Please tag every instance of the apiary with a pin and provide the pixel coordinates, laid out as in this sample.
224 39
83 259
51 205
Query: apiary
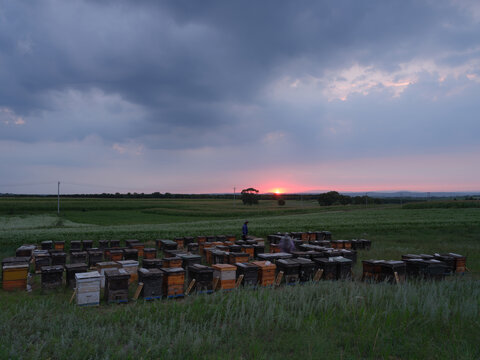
258 249
130 254
47 245
114 243
78 257
238 257
25 250
180 242
42 259
329 267
152 280
88 288
58 258
203 276
152 263
14 276
249 272
226 273
306 270
59 245
173 282
71 270
94 257
103 244
116 255
129 243
149 253
231 238
106 265
75 245
389 268
372 269
87 244
52 276
190 259
266 272
172 262
290 268
116 285
248 249
275 248
193 248
131 267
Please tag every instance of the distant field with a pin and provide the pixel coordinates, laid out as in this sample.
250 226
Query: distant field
347 320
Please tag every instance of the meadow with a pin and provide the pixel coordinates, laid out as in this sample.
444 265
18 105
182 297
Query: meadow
345 319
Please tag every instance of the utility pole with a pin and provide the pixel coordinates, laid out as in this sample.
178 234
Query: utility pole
58 199
234 196
366 199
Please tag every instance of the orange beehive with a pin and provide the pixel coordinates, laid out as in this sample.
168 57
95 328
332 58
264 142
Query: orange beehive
275 248
139 247
305 237
225 274
266 274
234 257
15 277
201 239
150 253
347 244
180 242
312 236
172 262
173 282
59 245
231 238
249 249
116 255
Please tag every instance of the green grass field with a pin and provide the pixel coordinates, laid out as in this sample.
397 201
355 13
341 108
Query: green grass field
347 320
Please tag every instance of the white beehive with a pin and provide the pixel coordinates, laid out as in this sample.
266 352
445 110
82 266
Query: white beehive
88 288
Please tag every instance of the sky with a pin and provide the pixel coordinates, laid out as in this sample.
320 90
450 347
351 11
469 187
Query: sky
208 96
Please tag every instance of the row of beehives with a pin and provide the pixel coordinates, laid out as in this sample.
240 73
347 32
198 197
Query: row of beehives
414 266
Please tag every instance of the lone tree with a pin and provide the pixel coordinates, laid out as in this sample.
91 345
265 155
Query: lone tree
250 196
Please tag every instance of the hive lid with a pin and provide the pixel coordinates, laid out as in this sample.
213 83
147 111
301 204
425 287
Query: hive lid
175 258
199 267
107 264
88 275
127 263
52 268
150 272
76 266
176 270
116 272
288 262
15 266
246 265
224 267
393 262
265 264
15 260
372 261
303 261
27 247
189 256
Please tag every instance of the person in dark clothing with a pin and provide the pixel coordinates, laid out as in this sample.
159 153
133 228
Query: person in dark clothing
286 244
245 230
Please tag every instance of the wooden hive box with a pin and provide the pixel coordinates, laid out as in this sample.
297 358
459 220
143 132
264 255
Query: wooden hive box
327 235
58 257
116 285
17 260
372 269
152 263
238 257
344 267
305 237
312 236
129 243
106 265
249 249
114 243
103 244
116 255
14 276
139 246
209 255
131 267
347 244
188 240
75 245
266 273
367 244
231 238
173 282
130 254
290 268
460 262
235 248
226 273
168 245
152 280
349 254
149 253
193 248
189 259
390 267
25 250
436 270
414 267
219 257
329 267
180 242
172 253
41 259
336 244
172 262
52 276
59 245
88 288
203 276
87 244
78 257
275 248
319 235
47 245
258 249
94 257
306 271
249 272
71 270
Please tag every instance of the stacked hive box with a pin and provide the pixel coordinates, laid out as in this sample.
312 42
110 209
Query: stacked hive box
166 244
88 288
25 250
249 272
87 244
238 257
130 254
173 282
47 245
152 263
187 240
344 267
52 276
139 246
71 270
116 285
290 269
172 262
131 267
219 257
258 249
59 245
94 256
329 267
180 242
75 245
78 257
106 265
203 276
58 258
130 242
41 258
275 248
14 276
226 275
372 269
306 270
249 249
190 259
389 268
152 280
149 253
115 255
266 273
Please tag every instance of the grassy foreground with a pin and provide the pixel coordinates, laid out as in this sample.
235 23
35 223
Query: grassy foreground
348 320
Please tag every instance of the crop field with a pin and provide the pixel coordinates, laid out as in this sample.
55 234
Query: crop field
328 319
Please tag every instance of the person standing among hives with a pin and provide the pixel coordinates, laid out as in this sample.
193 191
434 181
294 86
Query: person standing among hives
245 230
286 244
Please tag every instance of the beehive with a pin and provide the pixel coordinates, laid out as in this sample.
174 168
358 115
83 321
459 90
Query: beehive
87 244
327 235
173 282
52 276
149 253
193 248
138 246
59 245
238 257
249 272
116 255
460 262
235 248
312 236
201 239
103 244
305 237
152 263
349 254
260 241
172 253
266 273
290 268
329 267
180 242
187 240
75 245
306 270
248 249
258 249
129 243
116 285
131 267
275 248
14 276
436 270
219 257
320 235
47 245
231 238
168 245
209 255
221 238
71 270
152 280
114 243
372 269
414 267
78 257
203 276
130 254
88 288
42 259
390 267
94 257
211 238
58 258
190 259
337 244
25 250
226 273
172 262
106 265
274 239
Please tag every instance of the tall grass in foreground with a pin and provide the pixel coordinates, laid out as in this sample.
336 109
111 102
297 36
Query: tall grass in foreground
350 320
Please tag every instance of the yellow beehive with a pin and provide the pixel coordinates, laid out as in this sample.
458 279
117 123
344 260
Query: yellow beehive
15 277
